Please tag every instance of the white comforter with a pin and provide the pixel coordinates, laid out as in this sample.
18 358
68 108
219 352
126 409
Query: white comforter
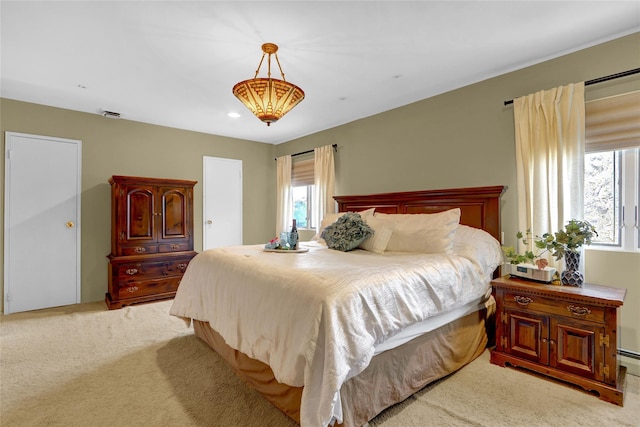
315 317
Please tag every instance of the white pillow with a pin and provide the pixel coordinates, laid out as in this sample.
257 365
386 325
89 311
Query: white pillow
378 242
478 246
425 233
330 218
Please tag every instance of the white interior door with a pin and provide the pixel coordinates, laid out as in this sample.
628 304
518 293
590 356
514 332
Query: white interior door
42 222
222 192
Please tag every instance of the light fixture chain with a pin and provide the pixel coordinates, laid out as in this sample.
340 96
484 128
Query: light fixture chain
260 65
281 73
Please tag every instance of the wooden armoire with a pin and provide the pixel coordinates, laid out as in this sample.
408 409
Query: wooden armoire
151 238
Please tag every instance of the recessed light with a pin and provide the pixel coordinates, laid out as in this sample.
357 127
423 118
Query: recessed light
234 115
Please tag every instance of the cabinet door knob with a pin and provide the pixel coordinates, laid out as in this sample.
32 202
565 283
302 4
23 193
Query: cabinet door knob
209 222
131 271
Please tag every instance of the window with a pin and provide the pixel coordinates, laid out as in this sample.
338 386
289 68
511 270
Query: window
612 171
302 204
611 197
302 186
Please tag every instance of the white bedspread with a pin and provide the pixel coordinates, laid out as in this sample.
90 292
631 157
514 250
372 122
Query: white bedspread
315 317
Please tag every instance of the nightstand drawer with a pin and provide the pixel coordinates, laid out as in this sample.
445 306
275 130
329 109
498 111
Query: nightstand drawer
574 310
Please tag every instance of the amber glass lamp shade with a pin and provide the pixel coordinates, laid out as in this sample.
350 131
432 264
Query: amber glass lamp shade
267 98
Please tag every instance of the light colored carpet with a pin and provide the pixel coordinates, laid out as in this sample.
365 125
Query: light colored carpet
86 366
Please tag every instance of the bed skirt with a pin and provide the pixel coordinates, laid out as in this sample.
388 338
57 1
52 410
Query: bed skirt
391 377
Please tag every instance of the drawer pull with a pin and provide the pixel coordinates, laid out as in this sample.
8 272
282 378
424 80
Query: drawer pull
182 266
132 289
522 300
140 250
175 247
578 311
131 271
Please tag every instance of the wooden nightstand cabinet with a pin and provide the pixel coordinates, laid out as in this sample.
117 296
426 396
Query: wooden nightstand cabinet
564 332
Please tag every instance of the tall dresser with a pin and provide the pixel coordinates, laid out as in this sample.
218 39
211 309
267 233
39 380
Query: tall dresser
151 238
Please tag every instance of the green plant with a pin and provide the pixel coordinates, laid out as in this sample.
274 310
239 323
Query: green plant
575 234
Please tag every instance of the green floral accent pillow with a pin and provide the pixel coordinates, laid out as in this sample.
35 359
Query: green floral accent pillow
347 232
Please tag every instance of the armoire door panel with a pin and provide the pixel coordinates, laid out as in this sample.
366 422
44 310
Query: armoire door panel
174 214
140 214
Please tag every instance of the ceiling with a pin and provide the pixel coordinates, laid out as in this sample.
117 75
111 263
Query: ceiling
173 63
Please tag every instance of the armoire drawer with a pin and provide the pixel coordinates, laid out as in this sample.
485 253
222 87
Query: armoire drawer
148 287
149 270
139 250
173 247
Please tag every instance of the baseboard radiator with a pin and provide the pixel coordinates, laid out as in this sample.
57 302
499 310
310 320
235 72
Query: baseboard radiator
629 353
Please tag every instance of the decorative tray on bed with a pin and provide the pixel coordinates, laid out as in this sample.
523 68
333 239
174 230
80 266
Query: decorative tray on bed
290 251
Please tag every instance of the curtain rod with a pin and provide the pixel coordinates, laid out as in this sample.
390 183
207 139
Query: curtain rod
600 79
335 148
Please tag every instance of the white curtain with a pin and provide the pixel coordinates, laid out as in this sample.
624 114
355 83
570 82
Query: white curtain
549 130
284 198
324 182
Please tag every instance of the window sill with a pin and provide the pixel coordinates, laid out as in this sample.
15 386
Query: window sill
613 249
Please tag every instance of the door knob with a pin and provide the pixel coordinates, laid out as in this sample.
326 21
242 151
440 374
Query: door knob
209 222
70 224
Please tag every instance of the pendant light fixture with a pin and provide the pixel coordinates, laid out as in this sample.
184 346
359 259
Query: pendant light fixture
269 99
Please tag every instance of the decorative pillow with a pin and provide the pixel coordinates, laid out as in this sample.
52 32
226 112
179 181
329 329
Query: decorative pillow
347 233
330 218
378 241
426 233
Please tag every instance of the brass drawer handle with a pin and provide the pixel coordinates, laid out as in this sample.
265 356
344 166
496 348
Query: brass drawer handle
578 311
182 266
140 250
131 271
522 300
175 247
132 289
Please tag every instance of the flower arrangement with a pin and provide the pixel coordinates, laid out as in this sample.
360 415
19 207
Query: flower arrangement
275 243
575 234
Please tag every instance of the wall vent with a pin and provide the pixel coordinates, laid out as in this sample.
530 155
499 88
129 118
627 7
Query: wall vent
110 114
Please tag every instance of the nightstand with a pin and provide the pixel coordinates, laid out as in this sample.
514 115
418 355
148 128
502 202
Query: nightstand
564 332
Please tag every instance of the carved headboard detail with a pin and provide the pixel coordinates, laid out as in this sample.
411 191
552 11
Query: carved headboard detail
479 206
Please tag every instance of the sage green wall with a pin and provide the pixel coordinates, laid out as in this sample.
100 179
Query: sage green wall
457 139
465 138
123 147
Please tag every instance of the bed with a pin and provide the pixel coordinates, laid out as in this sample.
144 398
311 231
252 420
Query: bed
334 338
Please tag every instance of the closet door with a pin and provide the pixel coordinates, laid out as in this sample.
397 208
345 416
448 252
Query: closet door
42 222
222 204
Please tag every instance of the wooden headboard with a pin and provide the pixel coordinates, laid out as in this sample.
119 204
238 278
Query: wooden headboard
479 206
